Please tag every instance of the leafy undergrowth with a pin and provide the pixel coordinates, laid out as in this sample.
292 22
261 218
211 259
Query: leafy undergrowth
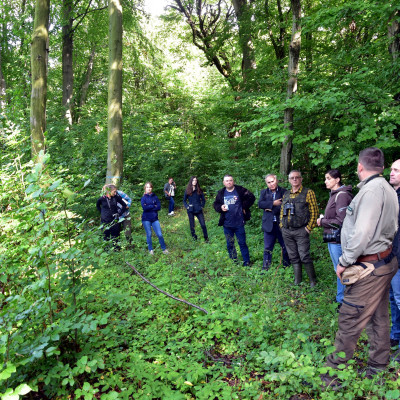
77 322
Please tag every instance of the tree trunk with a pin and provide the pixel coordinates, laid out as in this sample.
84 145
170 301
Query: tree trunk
394 35
2 86
67 54
39 75
243 15
86 81
293 67
115 146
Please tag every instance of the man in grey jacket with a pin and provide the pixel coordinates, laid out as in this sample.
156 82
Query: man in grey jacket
367 234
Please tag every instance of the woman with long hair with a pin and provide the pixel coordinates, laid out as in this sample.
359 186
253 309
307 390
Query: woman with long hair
151 206
340 197
194 202
111 207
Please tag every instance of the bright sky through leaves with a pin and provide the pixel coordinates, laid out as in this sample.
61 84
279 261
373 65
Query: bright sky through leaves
155 7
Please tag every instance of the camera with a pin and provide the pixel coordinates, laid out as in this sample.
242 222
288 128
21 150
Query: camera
288 207
333 236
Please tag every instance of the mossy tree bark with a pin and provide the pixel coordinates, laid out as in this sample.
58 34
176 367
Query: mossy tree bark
115 143
293 68
39 56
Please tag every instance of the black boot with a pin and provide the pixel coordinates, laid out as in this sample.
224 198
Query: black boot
297 274
311 274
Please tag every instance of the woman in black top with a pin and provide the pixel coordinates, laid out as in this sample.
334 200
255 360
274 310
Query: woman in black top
194 202
111 206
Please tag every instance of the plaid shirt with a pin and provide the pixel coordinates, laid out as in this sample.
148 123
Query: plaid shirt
127 200
312 207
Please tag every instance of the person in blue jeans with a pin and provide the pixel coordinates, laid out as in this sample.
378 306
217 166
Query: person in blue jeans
340 197
169 191
394 294
233 202
151 206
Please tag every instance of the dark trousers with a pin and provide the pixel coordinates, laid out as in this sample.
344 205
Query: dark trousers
269 242
365 305
240 233
297 243
200 217
112 233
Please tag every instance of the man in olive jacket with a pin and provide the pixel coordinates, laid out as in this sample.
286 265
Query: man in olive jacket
233 202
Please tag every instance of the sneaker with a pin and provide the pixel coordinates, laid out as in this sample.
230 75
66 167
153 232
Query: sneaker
165 251
172 213
151 252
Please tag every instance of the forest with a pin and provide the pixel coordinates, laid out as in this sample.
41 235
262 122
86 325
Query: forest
102 91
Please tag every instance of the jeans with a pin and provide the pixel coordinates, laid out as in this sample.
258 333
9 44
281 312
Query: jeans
157 230
335 250
171 204
269 243
240 233
200 217
394 297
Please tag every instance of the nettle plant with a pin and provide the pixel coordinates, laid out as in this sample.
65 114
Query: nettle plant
47 254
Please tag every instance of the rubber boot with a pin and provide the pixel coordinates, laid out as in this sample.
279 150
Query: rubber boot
311 274
297 274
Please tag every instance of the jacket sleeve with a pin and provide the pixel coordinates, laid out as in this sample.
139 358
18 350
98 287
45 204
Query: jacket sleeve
145 205
185 199
202 200
219 202
248 199
266 200
122 203
157 204
313 208
98 204
342 200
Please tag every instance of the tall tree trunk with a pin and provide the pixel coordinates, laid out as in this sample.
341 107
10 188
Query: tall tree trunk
243 15
2 87
394 35
86 81
39 75
115 145
67 54
294 54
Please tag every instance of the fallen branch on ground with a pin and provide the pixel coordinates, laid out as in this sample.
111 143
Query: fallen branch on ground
167 294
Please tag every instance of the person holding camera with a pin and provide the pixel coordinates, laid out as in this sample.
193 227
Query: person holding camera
340 197
169 191
299 214
111 207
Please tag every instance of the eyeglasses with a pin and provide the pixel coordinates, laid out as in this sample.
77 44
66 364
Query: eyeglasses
268 183
293 178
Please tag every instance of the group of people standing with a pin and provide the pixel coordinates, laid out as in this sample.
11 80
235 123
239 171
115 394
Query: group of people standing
361 232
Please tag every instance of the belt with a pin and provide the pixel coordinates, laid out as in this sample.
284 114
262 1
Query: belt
375 257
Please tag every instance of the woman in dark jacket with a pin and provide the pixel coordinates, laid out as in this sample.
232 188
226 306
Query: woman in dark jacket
111 207
194 202
151 206
340 197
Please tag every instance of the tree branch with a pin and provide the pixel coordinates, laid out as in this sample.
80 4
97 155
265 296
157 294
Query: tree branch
162 291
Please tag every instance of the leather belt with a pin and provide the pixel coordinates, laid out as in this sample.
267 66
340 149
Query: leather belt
375 257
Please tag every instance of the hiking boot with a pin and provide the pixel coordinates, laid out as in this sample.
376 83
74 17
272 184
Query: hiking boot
309 267
297 274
